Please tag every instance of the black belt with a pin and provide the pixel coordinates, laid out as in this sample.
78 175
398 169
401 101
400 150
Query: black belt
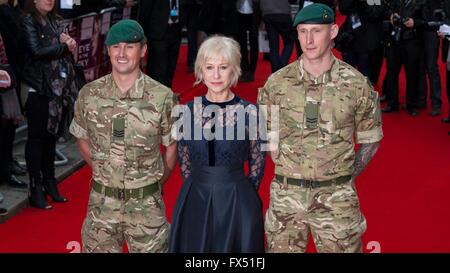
314 184
125 194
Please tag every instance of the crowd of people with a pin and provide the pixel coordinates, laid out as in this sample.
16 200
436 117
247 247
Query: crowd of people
120 120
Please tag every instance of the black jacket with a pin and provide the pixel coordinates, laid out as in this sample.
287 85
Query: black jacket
415 9
369 35
219 16
38 52
153 16
329 3
9 28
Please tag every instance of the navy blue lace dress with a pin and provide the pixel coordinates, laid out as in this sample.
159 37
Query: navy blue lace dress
219 209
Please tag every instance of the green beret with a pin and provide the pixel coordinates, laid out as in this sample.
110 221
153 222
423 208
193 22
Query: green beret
314 14
125 31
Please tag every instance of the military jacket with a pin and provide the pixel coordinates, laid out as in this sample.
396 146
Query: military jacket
125 130
319 118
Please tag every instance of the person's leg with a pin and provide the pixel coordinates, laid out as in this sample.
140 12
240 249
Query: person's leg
157 61
411 56
274 43
10 133
393 68
9 168
244 26
48 169
431 50
364 63
4 170
447 88
286 225
349 57
376 62
192 27
146 229
337 223
48 157
101 231
253 36
288 43
174 41
36 110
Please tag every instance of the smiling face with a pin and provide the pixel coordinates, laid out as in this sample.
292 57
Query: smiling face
125 57
217 74
316 39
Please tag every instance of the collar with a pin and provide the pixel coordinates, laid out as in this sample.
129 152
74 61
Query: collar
324 78
111 90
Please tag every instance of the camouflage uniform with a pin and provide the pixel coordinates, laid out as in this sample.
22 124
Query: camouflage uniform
125 131
318 118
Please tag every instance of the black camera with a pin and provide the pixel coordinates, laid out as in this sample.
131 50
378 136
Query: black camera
397 22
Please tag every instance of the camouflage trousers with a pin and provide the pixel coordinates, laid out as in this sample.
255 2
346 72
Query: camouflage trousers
140 222
331 214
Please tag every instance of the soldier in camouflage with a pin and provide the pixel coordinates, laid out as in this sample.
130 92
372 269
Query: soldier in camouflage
120 121
323 103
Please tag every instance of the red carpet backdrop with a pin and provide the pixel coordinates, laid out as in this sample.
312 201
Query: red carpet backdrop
404 192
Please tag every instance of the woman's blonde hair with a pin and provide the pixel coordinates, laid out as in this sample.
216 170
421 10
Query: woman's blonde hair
219 46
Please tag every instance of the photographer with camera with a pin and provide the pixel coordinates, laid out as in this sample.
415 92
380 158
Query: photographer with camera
361 35
407 23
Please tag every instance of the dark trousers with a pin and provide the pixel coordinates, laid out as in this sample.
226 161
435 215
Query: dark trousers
7 133
447 78
249 57
163 55
431 44
407 54
41 145
192 28
376 62
279 24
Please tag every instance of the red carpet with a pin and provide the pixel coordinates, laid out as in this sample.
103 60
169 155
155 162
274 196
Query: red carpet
404 192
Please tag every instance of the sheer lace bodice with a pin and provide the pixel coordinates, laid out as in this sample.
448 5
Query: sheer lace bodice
229 150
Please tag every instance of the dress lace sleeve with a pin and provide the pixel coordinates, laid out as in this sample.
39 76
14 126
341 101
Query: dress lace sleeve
184 159
256 157
256 163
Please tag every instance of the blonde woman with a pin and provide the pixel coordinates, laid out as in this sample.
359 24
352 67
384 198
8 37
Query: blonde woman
218 209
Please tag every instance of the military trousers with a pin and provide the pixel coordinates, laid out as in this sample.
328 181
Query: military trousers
141 223
330 214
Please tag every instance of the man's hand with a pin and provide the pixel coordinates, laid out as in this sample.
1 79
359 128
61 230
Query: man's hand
5 79
409 23
63 37
69 41
72 44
